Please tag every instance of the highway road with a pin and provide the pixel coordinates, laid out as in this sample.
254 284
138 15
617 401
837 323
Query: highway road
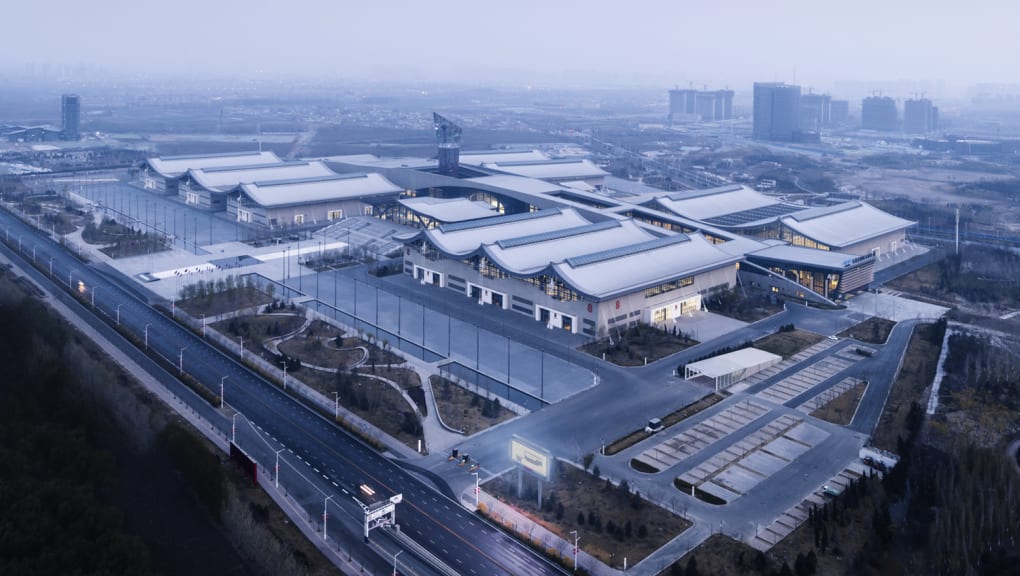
435 520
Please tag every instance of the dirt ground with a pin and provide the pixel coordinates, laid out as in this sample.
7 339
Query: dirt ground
915 376
223 302
787 344
637 345
873 330
604 507
841 409
461 409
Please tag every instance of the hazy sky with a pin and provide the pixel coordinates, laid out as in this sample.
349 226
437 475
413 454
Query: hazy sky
714 42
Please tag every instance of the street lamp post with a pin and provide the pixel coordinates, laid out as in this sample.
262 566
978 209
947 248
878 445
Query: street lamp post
336 405
222 380
118 307
233 428
284 363
276 480
180 360
93 296
577 538
147 335
325 516
395 562
69 275
203 325
51 265
241 338
475 474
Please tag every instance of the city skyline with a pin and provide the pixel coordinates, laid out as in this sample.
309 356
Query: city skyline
566 43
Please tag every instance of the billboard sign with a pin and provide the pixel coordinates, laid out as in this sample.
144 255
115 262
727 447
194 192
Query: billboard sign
531 457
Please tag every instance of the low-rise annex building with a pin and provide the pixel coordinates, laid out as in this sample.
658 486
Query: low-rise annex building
570 273
300 202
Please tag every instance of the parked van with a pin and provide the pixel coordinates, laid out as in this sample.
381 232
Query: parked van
654 425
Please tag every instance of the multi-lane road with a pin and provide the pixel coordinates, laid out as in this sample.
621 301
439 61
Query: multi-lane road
437 522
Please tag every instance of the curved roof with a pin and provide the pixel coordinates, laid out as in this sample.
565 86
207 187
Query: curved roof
223 178
550 169
477 158
318 189
621 271
530 254
449 209
720 202
177 166
462 239
599 260
844 224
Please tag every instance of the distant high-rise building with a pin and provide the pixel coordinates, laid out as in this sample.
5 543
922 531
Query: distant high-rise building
448 137
70 113
839 112
776 111
879 113
706 105
919 116
815 111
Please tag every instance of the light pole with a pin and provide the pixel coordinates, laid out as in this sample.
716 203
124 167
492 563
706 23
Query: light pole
284 363
233 428
222 380
325 516
203 325
475 474
241 338
336 405
69 274
276 480
51 265
180 360
395 562
577 538
147 335
93 296
118 307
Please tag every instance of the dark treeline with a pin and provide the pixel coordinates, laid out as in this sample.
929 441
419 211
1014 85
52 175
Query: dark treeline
52 518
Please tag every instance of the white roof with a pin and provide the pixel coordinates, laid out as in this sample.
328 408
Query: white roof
319 189
518 184
550 169
449 209
623 270
579 185
729 200
743 359
811 256
477 158
375 162
222 179
530 254
466 237
844 224
175 166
